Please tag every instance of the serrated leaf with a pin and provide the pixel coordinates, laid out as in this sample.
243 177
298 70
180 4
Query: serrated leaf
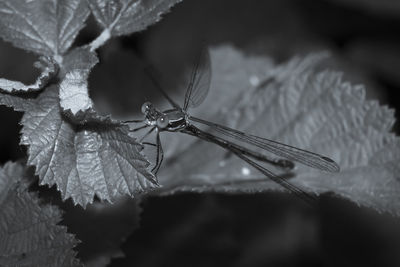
299 106
82 160
123 17
46 27
49 70
18 103
74 93
29 232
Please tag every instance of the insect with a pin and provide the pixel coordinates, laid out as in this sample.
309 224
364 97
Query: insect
177 119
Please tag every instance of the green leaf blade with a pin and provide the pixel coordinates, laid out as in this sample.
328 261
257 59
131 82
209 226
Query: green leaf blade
302 107
43 27
30 232
48 70
74 91
124 17
83 161
16 102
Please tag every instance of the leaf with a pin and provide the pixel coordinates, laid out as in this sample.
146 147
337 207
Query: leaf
18 103
46 27
299 106
122 17
225 88
29 232
83 160
49 70
74 94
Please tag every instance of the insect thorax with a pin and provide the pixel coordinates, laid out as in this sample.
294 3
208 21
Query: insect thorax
177 120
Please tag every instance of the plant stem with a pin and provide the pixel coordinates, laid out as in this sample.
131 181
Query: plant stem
100 40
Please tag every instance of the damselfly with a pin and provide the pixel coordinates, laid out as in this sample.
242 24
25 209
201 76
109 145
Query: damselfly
177 119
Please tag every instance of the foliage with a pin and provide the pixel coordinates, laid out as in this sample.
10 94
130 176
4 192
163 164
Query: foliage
301 106
29 232
85 154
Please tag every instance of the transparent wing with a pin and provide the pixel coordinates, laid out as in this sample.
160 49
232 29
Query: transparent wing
237 150
150 71
199 83
292 153
279 180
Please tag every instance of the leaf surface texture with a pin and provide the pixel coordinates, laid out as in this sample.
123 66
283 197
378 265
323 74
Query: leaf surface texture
29 230
296 104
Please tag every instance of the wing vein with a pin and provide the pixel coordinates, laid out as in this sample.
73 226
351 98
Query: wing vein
292 153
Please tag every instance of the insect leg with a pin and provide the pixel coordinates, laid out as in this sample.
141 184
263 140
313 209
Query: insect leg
155 168
133 121
161 151
138 128
146 134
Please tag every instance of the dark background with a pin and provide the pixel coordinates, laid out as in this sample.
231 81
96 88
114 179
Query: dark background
268 229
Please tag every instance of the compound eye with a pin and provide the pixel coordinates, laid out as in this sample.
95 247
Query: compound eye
162 121
146 107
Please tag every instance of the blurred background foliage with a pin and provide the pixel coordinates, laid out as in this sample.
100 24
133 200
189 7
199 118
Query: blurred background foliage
271 229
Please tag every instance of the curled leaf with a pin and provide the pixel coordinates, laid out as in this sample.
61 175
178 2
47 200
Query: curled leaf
86 160
29 231
46 27
295 104
74 94
18 103
49 70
